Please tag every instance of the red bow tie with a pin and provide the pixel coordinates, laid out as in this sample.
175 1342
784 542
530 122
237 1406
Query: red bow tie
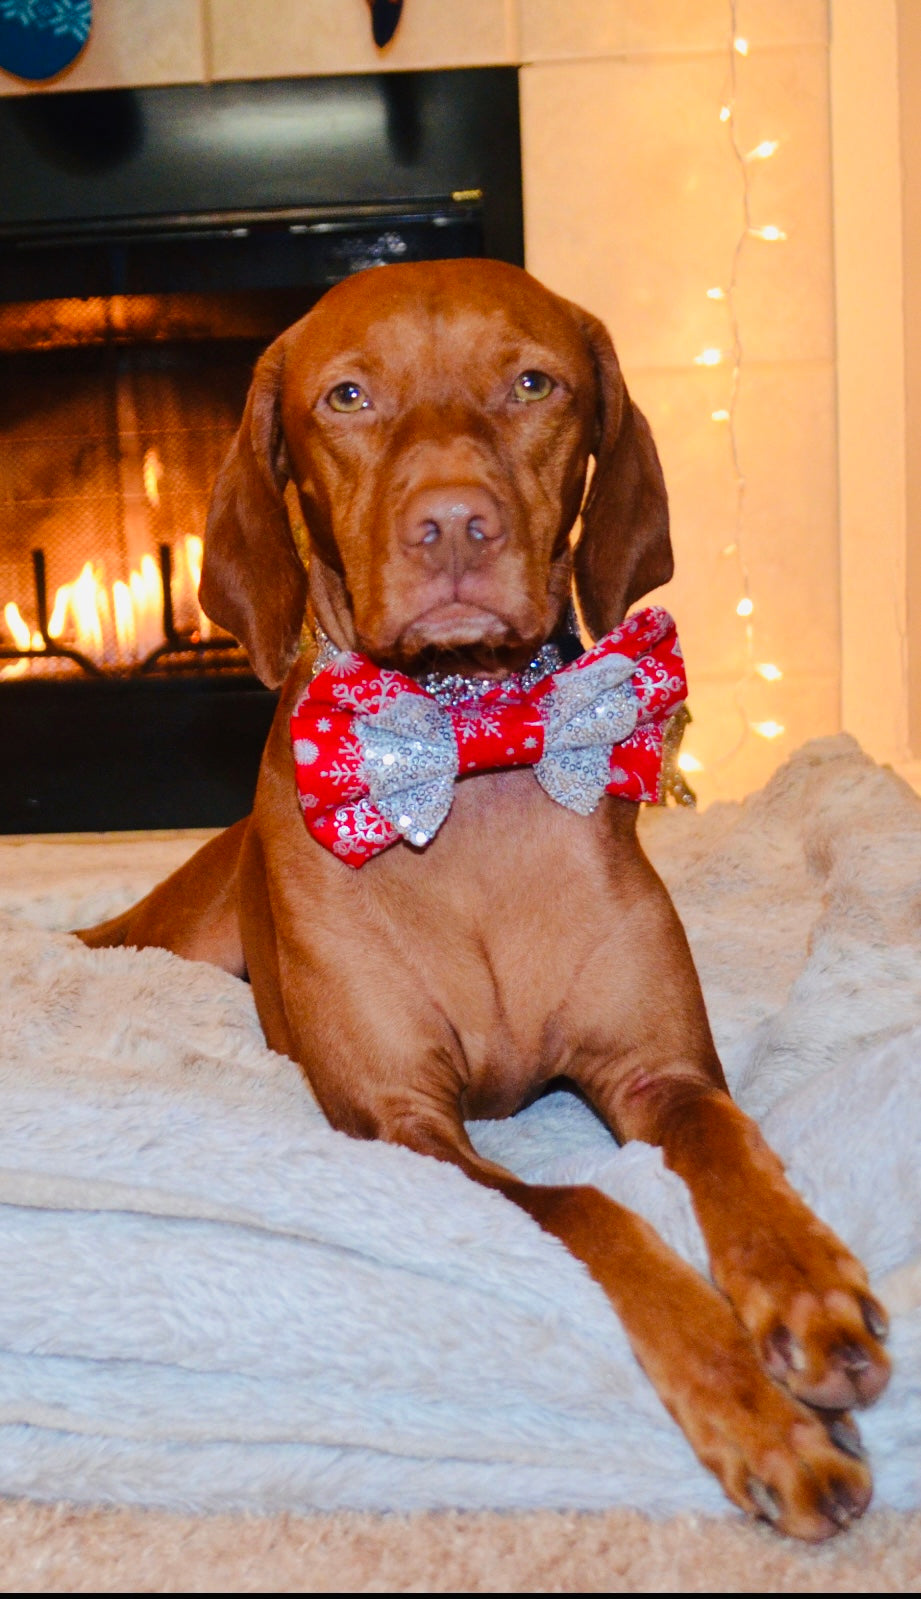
377 757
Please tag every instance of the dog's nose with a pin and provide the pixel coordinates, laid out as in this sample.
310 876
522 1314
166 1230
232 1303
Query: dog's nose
452 526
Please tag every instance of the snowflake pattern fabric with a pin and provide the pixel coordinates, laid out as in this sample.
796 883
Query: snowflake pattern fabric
40 38
376 757
61 16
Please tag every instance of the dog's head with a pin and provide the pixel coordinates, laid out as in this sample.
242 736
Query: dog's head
437 421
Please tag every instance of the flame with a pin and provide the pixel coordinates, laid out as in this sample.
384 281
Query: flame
152 471
59 611
194 549
84 606
126 632
121 626
114 627
22 638
18 629
147 603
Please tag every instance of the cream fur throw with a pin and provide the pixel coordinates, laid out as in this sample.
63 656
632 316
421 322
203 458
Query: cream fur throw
211 1301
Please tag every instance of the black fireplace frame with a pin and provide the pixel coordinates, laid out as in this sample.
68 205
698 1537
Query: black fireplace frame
274 184
103 192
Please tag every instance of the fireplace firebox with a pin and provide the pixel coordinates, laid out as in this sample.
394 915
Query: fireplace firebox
152 243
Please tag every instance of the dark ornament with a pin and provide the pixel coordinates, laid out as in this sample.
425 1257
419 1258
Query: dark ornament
385 15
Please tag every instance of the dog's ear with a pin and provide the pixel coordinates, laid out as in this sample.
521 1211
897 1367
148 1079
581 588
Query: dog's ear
253 581
624 549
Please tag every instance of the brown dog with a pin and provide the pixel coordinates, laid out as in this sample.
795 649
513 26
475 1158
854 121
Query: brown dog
437 422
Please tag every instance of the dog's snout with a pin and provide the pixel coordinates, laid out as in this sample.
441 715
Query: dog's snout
452 525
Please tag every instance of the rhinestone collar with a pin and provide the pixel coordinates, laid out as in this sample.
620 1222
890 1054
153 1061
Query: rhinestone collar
454 688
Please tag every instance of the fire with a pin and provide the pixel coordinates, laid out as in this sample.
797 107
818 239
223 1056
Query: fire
194 551
22 638
114 627
152 471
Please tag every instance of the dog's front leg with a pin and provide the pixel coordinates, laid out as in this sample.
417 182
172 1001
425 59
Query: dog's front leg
799 1291
773 1456
649 1066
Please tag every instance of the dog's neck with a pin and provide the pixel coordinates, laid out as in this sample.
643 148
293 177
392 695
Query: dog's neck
450 687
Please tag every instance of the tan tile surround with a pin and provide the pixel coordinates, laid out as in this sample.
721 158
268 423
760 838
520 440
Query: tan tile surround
632 202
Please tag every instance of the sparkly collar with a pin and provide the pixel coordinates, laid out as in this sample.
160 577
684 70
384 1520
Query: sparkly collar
453 688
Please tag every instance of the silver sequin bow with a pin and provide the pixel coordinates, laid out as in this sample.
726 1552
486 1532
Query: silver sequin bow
410 760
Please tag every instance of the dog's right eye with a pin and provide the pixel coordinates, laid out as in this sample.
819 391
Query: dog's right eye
348 397
530 386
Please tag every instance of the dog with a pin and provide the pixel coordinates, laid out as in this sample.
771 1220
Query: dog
436 936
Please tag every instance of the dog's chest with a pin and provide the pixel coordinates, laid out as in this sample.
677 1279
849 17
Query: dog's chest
509 925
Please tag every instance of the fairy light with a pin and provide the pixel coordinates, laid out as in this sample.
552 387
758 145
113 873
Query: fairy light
764 150
727 413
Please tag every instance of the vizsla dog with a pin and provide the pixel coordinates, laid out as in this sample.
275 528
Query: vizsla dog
439 898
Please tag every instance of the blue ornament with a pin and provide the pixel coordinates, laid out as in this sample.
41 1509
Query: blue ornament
39 38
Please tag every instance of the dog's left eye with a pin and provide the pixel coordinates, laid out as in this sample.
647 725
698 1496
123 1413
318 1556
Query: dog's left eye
348 397
530 386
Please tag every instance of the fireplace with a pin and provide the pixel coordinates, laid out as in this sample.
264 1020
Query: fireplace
151 244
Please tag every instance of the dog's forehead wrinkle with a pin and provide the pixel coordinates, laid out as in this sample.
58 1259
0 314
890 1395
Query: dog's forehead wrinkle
350 359
496 350
446 337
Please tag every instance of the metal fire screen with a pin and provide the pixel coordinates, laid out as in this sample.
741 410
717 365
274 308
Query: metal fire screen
115 414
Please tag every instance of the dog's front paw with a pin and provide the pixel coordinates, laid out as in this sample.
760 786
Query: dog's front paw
806 1302
777 1459
814 1483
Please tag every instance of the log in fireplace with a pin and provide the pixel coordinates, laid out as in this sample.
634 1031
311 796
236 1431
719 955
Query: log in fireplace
152 242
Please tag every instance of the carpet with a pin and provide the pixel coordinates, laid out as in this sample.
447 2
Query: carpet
215 1303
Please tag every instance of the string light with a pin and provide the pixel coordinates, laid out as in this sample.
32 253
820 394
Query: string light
726 414
764 150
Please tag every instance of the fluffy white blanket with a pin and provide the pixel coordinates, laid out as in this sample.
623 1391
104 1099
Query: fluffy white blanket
210 1300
